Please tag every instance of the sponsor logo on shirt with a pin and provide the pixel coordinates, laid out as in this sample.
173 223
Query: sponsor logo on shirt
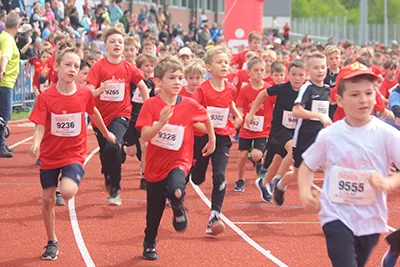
315 96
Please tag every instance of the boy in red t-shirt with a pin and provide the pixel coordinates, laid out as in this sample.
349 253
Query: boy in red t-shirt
254 41
242 77
166 123
269 57
38 64
390 80
61 138
194 75
110 78
218 96
252 137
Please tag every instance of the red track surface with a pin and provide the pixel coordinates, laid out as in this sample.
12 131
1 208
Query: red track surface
113 235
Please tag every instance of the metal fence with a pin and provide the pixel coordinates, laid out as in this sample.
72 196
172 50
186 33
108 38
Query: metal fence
24 95
338 28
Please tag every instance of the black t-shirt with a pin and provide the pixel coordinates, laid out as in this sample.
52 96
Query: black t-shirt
285 97
316 99
330 79
135 95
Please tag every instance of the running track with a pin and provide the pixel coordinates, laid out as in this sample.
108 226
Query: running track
112 236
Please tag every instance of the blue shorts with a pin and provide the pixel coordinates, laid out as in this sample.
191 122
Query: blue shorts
49 178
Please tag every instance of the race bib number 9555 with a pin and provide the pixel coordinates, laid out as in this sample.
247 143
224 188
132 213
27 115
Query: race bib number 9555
321 107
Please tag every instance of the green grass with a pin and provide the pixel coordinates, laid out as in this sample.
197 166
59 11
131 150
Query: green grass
20 115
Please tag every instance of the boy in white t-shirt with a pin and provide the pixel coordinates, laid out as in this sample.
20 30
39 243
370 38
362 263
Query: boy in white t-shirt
357 150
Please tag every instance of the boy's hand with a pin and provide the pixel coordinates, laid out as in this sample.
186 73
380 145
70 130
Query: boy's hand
249 119
110 137
310 201
166 113
45 71
208 149
325 120
376 180
238 122
35 149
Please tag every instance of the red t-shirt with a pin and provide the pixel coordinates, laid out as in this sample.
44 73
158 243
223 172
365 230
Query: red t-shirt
52 77
269 80
239 59
286 30
243 78
160 160
117 102
376 70
184 92
386 86
247 96
218 106
38 66
65 137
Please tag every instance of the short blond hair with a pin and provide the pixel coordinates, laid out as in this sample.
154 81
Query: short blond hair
142 58
330 49
212 52
169 63
250 55
130 41
61 53
195 67
269 53
111 31
367 52
254 36
313 55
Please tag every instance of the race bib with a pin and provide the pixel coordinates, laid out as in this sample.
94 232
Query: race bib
137 97
44 86
66 125
349 186
257 125
169 137
218 116
321 107
288 120
115 94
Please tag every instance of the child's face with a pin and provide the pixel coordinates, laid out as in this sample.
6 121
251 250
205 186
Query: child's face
278 77
350 51
86 53
130 53
254 45
193 81
185 59
219 66
285 58
114 45
44 57
148 49
82 74
358 100
171 83
69 67
391 72
268 61
317 70
257 72
148 68
296 77
333 60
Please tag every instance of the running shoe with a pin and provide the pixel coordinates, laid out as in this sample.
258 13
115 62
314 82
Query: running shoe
239 186
115 198
143 184
266 195
180 220
390 258
149 251
59 199
51 251
278 195
215 226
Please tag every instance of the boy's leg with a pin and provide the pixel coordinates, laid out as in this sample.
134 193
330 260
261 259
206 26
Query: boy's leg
155 194
284 167
200 163
175 192
71 177
245 146
364 247
219 160
49 182
128 147
340 242
142 150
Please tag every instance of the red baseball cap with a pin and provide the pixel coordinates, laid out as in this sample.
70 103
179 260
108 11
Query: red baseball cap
353 70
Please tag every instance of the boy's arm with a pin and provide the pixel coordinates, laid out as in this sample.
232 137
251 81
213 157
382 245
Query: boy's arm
308 197
37 139
210 146
260 99
387 184
144 90
98 91
236 114
96 117
300 112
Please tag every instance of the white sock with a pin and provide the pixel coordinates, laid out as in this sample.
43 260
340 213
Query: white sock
213 214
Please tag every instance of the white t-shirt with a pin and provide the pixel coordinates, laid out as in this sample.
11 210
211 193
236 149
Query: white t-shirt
372 147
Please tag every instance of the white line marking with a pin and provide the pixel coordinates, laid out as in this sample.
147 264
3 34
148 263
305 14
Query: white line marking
75 225
268 223
320 190
242 234
21 142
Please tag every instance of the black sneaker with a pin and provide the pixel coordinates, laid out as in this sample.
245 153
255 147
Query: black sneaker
51 251
239 186
215 226
123 154
180 219
266 195
4 153
143 184
149 251
279 195
10 149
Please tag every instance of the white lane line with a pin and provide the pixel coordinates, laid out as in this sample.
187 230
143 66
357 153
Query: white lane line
75 225
320 190
242 234
273 223
21 142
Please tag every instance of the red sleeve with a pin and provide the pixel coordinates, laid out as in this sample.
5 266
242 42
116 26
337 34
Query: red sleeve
39 112
384 89
136 75
93 76
239 59
199 112
380 105
333 93
90 104
199 95
240 99
145 116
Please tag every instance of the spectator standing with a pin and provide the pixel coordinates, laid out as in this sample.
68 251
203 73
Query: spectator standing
215 33
24 41
163 36
160 18
115 13
3 16
203 18
204 36
286 32
125 20
168 15
275 27
9 69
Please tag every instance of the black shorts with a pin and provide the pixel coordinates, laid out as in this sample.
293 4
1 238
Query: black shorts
304 141
273 148
49 178
132 135
281 135
247 144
